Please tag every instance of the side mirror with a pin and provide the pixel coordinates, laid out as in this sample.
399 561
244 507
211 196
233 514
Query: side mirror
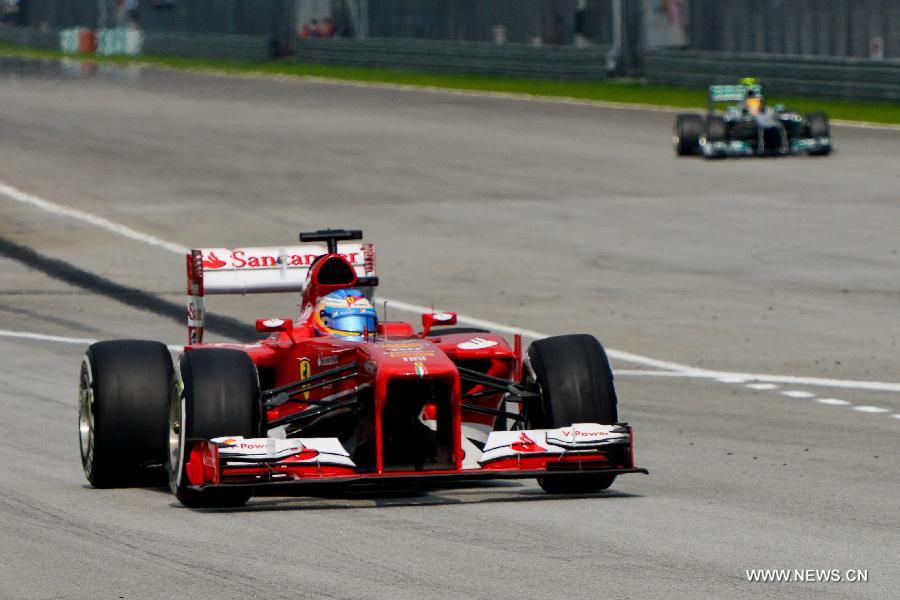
429 320
271 325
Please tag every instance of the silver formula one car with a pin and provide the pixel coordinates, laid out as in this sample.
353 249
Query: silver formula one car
750 127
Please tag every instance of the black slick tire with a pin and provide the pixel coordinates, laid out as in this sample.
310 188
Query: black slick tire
819 126
217 395
123 412
686 134
576 386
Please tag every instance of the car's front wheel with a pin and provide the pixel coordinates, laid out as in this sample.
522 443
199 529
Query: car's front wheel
686 134
216 395
576 386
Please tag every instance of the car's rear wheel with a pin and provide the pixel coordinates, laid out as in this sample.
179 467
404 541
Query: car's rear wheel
217 395
576 386
122 410
686 134
818 126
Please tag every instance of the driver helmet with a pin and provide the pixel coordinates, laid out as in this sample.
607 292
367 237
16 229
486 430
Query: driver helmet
753 103
345 314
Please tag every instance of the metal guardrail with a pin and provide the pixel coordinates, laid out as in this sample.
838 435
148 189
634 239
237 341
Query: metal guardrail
27 36
513 60
208 45
851 78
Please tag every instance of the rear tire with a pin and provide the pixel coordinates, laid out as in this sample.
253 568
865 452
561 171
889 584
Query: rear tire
122 412
217 395
576 384
686 134
818 126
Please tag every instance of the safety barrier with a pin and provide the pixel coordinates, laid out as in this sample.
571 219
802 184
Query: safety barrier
26 36
514 60
119 41
851 78
208 45
77 40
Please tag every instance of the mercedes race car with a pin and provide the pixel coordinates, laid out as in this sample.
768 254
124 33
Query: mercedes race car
749 127
340 398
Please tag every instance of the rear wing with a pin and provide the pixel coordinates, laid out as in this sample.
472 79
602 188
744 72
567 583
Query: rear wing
259 270
731 93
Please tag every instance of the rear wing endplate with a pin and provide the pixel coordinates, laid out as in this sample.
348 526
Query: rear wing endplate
259 270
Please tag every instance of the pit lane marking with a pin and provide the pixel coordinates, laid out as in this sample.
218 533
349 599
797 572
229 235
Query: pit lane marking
24 198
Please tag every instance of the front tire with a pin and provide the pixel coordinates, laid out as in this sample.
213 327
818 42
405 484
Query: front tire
122 411
217 394
686 134
819 126
576 385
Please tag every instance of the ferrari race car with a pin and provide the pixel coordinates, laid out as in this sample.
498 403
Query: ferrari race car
750 128
337 398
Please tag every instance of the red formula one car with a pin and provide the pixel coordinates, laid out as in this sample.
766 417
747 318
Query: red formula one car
337 398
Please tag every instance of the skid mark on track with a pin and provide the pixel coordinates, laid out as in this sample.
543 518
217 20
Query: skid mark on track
133 297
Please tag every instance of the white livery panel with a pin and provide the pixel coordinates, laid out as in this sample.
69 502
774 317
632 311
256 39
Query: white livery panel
578 437
323 451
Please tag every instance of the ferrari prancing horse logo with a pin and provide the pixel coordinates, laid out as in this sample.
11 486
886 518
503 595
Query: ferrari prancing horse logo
305 373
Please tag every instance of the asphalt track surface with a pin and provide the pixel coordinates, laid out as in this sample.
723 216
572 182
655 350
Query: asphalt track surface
553 217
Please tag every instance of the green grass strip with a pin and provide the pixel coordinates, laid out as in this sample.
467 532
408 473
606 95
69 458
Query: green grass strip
624 91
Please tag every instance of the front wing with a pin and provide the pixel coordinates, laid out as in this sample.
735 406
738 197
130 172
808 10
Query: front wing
745 148
581 449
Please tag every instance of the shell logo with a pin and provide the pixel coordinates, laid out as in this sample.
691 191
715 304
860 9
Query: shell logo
230 442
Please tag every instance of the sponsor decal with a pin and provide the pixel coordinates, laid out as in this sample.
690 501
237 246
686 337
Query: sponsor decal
273 322
421 371
476 344
242 259
579 433
414 359
415 354
442 316
400 346
526 444
305 372
327 360
213 262
230 442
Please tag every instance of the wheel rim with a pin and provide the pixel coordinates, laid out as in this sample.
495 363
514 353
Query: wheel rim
176 436
86 414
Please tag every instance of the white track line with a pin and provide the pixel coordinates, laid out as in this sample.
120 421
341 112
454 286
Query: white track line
870 409
833 401
89 218
798 394
33 201
30 335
